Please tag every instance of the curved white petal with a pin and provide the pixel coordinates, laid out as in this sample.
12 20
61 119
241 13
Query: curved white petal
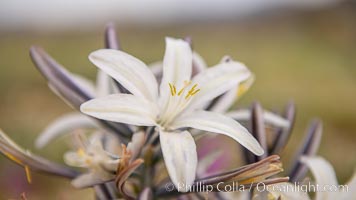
124 108
64 125
324 175
269 117
218 123
217 80
86 180
180 157
135 146
226 101
156 68
199 64
177 67
129 71
72 158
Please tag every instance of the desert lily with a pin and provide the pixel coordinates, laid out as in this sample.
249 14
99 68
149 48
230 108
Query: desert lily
101 164
225 101
105 160
176 105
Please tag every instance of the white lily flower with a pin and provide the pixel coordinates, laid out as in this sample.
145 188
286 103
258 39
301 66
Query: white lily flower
227 100
72 121
177 104
102 165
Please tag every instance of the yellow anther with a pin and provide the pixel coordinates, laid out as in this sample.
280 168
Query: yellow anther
181 91
171 88
13 158
18 161
196 91
88 161
193 88
174 90
244 86
81 152
241 90
191 93
28 174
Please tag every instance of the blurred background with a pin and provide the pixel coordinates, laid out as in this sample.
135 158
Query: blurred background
301 50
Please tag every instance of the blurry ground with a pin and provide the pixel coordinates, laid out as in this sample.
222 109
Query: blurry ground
308 58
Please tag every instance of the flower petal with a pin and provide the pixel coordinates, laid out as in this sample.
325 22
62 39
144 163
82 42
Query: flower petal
62 125
225 101
269 117
180 157
323 173
86 180
129 71
199 64
72 158
124 108
218 123
157 69
217 80
177 66
104 85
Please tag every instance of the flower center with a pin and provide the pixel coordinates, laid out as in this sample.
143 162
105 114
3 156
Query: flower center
178 101
189 94
87 158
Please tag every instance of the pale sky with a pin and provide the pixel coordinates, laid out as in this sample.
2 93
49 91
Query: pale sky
58 14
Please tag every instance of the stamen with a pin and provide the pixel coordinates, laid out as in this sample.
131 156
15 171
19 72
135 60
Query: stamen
174 90
241 90
181 91
88 161
193 88
81 152
28 174
196 91
192 91
171 88
13 158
